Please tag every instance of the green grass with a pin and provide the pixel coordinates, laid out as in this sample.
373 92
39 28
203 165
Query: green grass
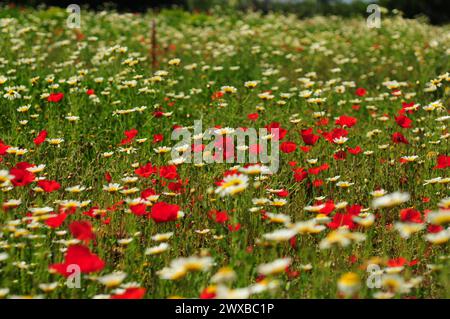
408 51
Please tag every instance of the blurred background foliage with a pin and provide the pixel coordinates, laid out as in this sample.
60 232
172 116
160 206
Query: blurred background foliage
436 11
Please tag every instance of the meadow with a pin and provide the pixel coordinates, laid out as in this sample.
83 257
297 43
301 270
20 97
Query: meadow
93 205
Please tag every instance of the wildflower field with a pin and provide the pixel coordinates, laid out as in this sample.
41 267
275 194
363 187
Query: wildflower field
94 204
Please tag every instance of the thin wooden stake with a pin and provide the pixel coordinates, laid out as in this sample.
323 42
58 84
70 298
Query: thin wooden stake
154 62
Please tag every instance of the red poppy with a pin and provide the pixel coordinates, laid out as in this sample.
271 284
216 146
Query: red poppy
22 177
360 92
139 209
292 274
308 137
3 148
300 174
158 138
146 171
115 206
90 92
305 149
435 229
164 212
443 161
229 172
108 177
413 262
398 137
404 161
158 114
403 121
397 262
68 210
345 120
406 105
272 127
217 216
56 221
130 135
82 230
234 228
55 97
340 155
176 187
335 134
317 183
253 116
340 219
293 242
95 213
323 122
217 95
130 293
168 172
411 215
40 138
147 193
23 165
354 209
49 186
329 207
354 151
283 193
207 294
314 170
82 257
288 147
352 259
